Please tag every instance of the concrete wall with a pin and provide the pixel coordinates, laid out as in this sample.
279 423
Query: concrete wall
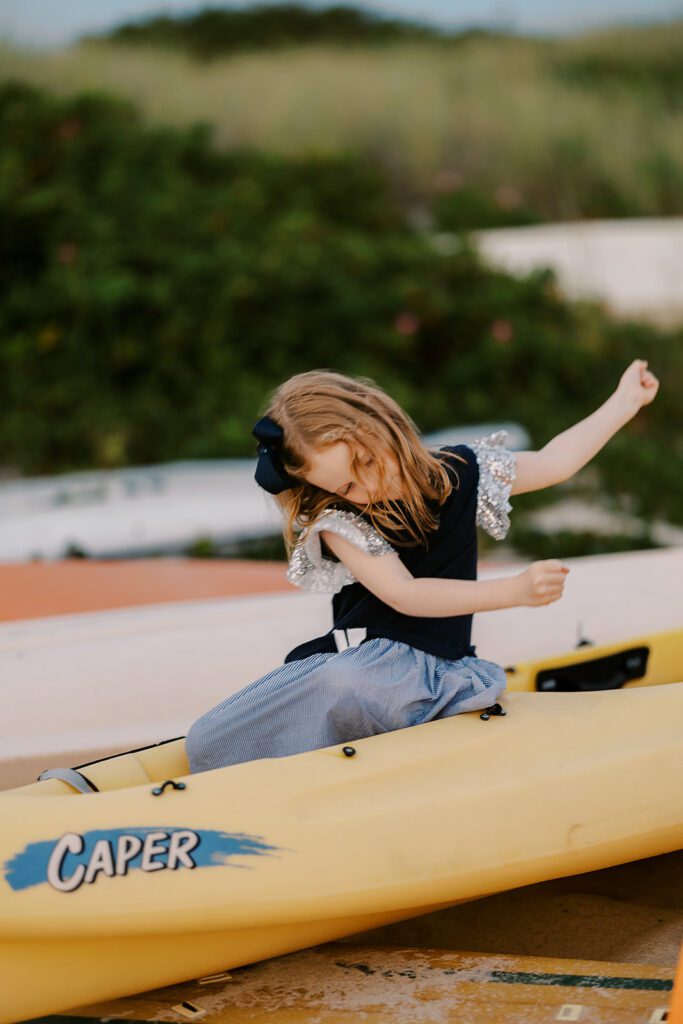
635 266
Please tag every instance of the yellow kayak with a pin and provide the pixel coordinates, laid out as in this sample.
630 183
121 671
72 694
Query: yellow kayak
151 876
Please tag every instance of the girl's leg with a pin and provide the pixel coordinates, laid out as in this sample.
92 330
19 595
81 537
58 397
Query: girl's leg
468 684
302 705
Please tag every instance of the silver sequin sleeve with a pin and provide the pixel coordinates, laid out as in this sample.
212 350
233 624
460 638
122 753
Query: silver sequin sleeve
311 570
497 468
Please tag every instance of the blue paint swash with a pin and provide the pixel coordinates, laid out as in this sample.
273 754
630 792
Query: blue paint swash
73 859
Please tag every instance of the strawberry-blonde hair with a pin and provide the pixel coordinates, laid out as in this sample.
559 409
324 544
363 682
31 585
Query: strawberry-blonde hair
319 408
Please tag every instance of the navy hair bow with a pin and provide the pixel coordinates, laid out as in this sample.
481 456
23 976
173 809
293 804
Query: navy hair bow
270 472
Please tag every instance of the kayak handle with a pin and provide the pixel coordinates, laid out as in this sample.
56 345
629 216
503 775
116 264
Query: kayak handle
158 790
495 709
609 672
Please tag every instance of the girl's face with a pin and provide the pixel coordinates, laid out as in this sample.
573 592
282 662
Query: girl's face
331 470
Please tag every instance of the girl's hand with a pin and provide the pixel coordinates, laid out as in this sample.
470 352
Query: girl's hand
637 387
542 582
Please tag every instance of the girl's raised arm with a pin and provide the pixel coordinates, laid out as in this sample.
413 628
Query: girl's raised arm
569 451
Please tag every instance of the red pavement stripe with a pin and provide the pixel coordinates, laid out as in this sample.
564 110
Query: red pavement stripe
34 590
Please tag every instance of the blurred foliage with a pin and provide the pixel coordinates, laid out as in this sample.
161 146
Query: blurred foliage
468 208
478 129
645 59
202 547
575 543
155 290
660 77
211 33
269 548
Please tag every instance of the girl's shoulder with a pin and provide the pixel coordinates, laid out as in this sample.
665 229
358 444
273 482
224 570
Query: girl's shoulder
495 467
484 456
492 455
311 569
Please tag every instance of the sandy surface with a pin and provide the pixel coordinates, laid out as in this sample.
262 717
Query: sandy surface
630 913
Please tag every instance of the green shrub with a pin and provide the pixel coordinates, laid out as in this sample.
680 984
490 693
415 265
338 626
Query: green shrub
540 544
155 290
210 33
470 208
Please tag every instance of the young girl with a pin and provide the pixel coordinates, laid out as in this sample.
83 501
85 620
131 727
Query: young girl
389 528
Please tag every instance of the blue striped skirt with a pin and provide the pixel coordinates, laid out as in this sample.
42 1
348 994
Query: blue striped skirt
336 697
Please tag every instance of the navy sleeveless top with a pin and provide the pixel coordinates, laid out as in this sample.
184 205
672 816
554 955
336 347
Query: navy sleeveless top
450 552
